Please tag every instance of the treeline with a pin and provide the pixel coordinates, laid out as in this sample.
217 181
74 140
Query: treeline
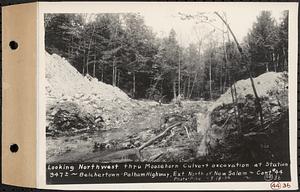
119 49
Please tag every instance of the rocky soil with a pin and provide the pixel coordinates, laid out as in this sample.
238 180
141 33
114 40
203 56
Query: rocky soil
122 144
235 130
90 121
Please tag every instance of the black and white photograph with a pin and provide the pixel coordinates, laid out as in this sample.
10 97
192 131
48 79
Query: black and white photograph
169 89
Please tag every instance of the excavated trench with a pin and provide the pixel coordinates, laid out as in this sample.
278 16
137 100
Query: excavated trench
113 126
122 144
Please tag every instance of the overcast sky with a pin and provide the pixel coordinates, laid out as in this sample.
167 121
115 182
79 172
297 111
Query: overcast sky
162 17
240 20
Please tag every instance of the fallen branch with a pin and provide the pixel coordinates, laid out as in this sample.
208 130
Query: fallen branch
81 130
268 122
156 157
226 122
158 136
254 134
187 132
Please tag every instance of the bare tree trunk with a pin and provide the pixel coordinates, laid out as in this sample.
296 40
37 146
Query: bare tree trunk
199 52
114 59
174 89
225 61
113 75
161 89
210 88
237 108
236 114
89 48
195 78
188 86
225 81
83 64
267 67
201 89
69 51
102 72
133 85
234 101
235 92
274 62
157 81
232 95
277 62
285 60
257 99
87 67
118 82
114 72
234 107
72 47
94 67
179 78
184 88
225 66
221 80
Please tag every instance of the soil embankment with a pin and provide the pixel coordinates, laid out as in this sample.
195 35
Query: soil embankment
90 121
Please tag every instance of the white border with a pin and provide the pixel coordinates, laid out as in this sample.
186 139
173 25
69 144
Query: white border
98 7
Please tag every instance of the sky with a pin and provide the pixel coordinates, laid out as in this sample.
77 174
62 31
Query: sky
240 21
162 17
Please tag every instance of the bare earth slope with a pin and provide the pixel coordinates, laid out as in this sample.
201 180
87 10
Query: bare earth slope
64 80
88 120
92 97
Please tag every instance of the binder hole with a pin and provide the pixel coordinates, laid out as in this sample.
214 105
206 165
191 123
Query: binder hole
14 148
13 45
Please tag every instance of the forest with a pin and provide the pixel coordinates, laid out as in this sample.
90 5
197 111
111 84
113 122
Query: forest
121 50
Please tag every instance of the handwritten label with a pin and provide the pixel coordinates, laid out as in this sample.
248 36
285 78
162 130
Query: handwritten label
279 185
138 172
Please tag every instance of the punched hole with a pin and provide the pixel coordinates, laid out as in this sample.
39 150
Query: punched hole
14 148
13 45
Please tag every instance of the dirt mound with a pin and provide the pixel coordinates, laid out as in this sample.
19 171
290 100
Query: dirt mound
221 119
64 80
68 91
263 83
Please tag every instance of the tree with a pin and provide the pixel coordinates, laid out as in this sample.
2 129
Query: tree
282 46
61 31
262 41
139 46
192 65
245 62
